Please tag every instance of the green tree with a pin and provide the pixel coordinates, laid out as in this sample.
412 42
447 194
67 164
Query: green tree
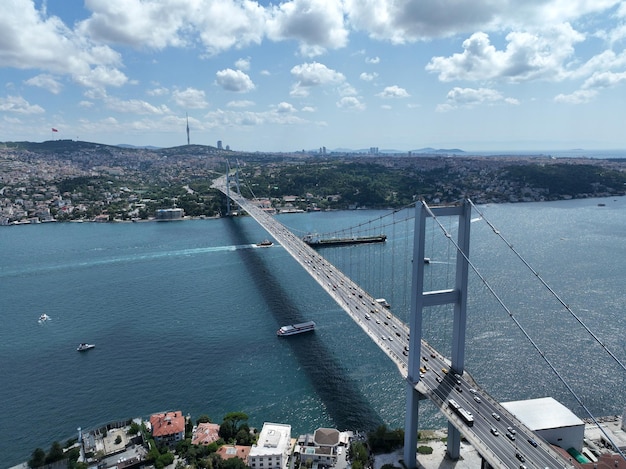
203 419
38 458
55 454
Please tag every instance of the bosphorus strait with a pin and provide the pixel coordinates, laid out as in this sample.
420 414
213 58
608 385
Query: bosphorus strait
184 316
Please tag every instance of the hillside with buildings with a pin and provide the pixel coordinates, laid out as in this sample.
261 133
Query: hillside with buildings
65 180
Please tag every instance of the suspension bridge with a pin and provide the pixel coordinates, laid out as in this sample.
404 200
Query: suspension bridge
469 409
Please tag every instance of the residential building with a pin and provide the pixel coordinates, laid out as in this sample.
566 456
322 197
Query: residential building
322 447
234 451
273 447
168 427
205 433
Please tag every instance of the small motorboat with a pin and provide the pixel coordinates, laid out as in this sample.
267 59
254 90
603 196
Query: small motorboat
84 346
43 318
265 243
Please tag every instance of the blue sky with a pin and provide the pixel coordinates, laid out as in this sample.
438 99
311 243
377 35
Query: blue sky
480 75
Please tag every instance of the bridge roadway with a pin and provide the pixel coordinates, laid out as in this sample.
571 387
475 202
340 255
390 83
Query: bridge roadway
488 434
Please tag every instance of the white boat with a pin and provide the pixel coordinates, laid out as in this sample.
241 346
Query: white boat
294 329
84 346
43 318
266 243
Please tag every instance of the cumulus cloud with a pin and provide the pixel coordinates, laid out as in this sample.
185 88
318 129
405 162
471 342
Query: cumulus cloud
30 40
190 98
315 74
318 25
234 80
351 103
402 22
393 92
372 60
19 105
285 108
243 64
47 82
469 97
527 56
101 77
368 76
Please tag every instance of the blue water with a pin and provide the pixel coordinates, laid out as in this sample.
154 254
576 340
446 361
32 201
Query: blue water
184 316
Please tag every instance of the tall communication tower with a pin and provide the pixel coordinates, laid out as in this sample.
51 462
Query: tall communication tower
187 128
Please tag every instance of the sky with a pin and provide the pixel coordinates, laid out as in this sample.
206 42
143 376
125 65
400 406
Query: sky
479 75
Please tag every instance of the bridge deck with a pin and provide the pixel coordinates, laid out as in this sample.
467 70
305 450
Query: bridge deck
436 381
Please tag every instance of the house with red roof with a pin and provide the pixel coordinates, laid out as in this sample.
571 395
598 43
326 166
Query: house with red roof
168 427
205 433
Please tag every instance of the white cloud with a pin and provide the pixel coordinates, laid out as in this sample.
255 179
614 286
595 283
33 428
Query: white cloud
577 97
317 25
368 76
285 108
240 104
372 60
226 24
101 77
351 103
469 97
402 22
221 118
234 80
315 74
527 56
190 98
243 64
160 91
31 40
308 109
47 82
393 92
604 80
135 106
19 105
591 87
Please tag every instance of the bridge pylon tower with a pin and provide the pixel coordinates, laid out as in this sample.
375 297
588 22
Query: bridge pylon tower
421 299
229 176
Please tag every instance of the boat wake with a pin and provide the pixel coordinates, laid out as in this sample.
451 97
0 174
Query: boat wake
126 259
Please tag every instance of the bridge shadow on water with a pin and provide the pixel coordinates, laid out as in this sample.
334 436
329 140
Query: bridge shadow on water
345 405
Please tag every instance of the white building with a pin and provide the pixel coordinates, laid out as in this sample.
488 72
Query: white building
272 448
550 420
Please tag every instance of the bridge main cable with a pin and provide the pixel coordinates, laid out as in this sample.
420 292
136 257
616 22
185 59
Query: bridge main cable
357 303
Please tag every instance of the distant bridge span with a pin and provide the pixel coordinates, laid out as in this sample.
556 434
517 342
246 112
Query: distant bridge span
427 373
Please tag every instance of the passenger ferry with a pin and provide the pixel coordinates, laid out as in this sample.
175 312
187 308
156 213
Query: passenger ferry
294 329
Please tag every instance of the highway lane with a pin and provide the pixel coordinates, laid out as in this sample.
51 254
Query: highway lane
435 381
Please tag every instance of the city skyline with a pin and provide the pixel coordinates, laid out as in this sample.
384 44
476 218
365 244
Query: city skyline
305 74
